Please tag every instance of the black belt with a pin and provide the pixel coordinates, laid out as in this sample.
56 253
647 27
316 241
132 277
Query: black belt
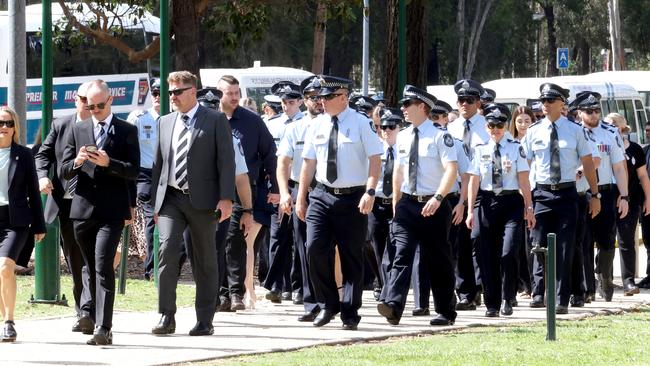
341 191
183 191
606 187
505 192
293 183
384 201
417 198
556 187
452 195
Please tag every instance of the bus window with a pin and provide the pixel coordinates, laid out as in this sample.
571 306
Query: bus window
605 107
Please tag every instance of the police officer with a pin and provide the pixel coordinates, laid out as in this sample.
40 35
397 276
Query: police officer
344 153
272 107
499 171
288 174
281 239
363 104
557 146
469 127
612 181
487 97
424 173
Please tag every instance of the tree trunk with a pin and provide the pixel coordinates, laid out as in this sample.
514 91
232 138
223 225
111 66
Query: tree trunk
582 56
320 31
416 69
618 56
390 89
185 24
477 29
460 25
551 69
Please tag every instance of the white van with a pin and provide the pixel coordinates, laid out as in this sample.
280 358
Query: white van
445 93
640 80
255 82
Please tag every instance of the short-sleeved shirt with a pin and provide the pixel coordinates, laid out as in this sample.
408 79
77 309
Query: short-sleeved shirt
240 160
147 124
278 126
356 142
478 133
293 144
572 140
435 147
384 159
581 184
611 151
512 156
635 160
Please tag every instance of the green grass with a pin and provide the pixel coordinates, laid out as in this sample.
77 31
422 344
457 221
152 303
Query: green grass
604 340
140 296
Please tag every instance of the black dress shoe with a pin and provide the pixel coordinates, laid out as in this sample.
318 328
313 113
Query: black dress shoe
561 309
307 317
537 302
286 295
101 337
376 293
477 298
237 303
441 320
324 317
274 297
630 289
506 307
420 312
224 305
84 325
9 332
492 313
589 298
202 329
297 298
166 325
605 287
644 283
577 301
349 325
388 311
465 304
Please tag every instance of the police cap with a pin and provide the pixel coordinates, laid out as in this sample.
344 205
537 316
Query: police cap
330 84
468 88
441 107
496 112
411 92
155 84
553 91
209 97
587 100
310 85
362 103
488 96
390 116
286 90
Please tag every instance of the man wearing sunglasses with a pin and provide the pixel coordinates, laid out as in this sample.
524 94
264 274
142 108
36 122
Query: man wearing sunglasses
59 200
344 154
101 161
558 147
612 185
469 127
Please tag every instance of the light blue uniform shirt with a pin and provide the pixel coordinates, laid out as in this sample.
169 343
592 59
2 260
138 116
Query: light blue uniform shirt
277 126
478 133
380 180
581 184
4 176
240 161
293 143
512 154
435 147
611 151
356 143
463 164
572 139
147 124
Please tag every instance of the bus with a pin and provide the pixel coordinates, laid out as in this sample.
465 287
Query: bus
74 64
640 80
617 96
255 82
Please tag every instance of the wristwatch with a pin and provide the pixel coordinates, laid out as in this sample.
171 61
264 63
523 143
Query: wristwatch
371 192
627 198
247 210
597 195
438 197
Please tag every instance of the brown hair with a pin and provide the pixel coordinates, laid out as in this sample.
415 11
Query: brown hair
522 109
14 117
182 77
229 79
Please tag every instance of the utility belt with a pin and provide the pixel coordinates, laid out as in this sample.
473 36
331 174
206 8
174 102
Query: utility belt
606 187
384 201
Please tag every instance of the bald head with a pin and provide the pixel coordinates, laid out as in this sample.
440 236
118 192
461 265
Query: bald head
98 95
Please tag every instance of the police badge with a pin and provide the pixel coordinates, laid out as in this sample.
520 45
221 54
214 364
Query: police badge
521 152
449 141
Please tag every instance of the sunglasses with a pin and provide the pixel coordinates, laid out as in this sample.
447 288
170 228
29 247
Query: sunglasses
177 92
83 99
591 111
391 127
7 123
100 106
408 103
330 96
548 100
155 93
468 100
314 98
499 125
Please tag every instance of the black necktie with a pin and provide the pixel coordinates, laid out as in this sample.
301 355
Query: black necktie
497 177
182 148
555 156
331 150
467 138
413 162
388 174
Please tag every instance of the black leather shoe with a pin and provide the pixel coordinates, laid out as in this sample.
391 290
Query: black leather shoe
630 289
477 298
307 317
286 295
561 309
324 317
577 301
224 305
84 325
388 311
644 283
492 313
605 287
349 325
420 312
166 325
589 298
441 320
9 332
506 307
376 293
101 337
237 303
297 298
465 304
274 297
514 303
202 329
537 302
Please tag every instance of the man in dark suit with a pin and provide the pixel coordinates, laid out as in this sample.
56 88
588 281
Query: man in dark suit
193 185
100 162
50 155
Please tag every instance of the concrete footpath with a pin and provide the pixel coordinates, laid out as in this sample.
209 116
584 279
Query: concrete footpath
268 328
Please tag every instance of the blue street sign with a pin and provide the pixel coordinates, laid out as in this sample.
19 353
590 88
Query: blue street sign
562 58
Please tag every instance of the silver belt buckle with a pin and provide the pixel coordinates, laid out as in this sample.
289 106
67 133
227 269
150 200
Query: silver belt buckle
421 199
554 187
185 191
337 191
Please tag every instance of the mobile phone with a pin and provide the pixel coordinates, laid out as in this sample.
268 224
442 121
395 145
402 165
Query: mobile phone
91 148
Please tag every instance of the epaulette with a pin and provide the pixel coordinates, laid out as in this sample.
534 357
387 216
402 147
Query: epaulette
440 127
608 127
574 121
513 141
483 144
534 123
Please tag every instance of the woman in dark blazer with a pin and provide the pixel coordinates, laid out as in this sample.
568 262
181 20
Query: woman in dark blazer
20 209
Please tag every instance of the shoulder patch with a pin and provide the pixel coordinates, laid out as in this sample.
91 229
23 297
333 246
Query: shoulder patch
513 141
449 141
521 152
588 134
372 126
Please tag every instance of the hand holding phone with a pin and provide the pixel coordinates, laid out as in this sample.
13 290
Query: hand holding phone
91 149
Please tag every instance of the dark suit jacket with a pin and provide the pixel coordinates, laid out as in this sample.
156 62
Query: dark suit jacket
25 207
49 156
103 192
211 160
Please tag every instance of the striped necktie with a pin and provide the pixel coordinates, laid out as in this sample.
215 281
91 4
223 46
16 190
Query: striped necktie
101 135
182 148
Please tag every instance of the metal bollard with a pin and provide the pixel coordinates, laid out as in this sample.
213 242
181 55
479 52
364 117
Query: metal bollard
124 255
549 280
47 269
